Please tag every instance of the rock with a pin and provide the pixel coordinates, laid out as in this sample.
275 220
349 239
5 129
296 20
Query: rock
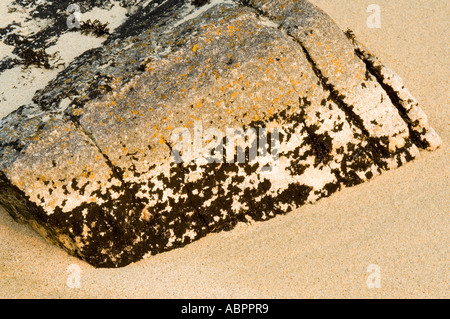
129 151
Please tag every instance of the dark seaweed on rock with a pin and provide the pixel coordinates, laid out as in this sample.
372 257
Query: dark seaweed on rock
350 35
199 3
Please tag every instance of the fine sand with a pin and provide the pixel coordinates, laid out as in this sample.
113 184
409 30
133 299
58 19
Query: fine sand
398 222
18 85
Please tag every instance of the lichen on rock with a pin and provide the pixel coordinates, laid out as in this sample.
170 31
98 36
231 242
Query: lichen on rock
89 164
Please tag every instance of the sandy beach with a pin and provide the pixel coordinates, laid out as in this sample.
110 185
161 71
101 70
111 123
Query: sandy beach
399 222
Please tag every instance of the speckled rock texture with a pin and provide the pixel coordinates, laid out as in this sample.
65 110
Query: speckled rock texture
90 164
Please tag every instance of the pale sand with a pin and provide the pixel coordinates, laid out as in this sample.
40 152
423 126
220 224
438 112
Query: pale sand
399 221
18 85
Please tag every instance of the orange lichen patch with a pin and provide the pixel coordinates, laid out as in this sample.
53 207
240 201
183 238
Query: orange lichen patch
77 112
52 203
154 134
195 48
65 145
145 214
360 74
231 29
295 82
216 74
194 117
115 82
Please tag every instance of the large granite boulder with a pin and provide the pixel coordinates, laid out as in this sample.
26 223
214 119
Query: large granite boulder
130 150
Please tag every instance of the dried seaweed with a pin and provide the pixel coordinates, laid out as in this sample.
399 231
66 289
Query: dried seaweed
39 58
95 27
